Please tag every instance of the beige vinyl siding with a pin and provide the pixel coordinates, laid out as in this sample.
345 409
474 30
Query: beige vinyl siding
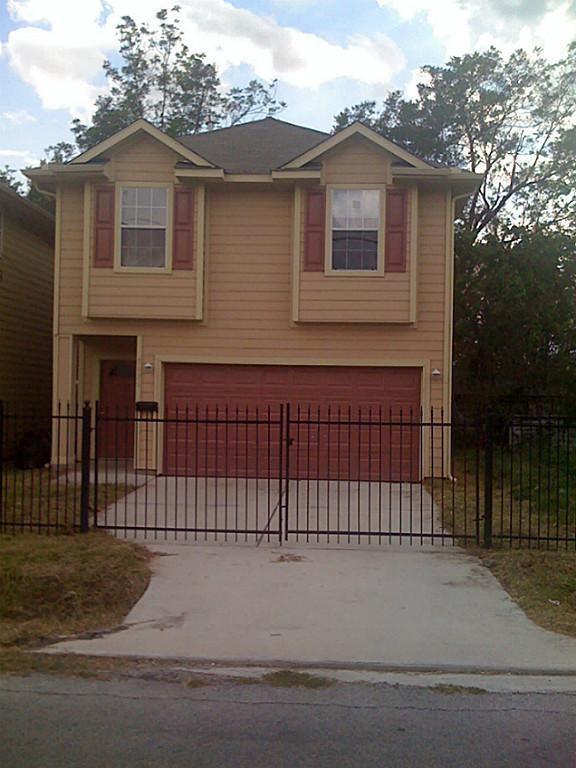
356 161
26 269
248 294
143 159
162 296
69 299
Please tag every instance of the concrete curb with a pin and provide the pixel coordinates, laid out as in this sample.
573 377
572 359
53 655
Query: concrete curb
359 666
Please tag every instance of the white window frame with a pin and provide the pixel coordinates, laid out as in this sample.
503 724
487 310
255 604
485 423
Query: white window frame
328 268
118 266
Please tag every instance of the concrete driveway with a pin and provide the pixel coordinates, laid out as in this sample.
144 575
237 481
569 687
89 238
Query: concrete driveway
170 508
311 605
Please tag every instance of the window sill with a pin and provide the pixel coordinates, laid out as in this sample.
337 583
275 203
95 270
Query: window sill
143 270
354 273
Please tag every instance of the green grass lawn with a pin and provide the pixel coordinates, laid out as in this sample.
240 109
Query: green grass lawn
533 495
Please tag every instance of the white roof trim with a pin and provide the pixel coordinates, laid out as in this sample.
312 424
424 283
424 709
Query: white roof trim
353 130
151 130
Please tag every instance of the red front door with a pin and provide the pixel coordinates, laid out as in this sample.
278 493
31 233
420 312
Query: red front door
117 401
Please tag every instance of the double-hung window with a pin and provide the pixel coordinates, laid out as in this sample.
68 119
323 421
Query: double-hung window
355 224
143 223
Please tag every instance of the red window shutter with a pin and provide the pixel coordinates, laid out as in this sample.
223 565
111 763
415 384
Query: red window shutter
104 227
396 230
183 245
315 231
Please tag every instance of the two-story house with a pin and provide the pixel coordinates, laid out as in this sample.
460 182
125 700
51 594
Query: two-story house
257 264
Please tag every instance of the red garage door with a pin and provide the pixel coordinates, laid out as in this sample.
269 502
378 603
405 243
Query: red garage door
223 420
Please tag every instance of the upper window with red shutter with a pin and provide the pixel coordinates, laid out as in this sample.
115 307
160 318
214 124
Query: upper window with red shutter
355 229
143 227
365 230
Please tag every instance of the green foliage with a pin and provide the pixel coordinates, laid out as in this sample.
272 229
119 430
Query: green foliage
507 118
515 318
161 80
9 177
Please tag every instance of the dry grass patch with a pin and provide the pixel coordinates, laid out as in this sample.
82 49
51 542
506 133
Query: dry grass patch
533 497
33 499
19 662
542 583
53 586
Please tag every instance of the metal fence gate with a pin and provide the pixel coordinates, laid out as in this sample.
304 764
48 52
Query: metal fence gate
291 474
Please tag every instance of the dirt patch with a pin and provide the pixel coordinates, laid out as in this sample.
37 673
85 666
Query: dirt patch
449 688
288 558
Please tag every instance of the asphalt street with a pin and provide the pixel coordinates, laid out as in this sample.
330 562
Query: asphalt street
73 723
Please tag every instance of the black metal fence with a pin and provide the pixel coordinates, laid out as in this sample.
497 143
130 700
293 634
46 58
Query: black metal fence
291 474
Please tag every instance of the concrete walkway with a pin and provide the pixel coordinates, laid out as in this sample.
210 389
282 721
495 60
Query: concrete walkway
241 510
308 605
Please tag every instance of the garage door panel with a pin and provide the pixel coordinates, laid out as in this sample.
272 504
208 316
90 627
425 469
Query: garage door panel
338 415
218 443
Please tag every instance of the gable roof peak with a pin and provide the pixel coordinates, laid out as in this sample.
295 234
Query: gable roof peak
361 129
142 125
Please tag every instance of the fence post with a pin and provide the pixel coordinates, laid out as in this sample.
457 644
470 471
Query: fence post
96 451
1 463
488 481
85 469
287 471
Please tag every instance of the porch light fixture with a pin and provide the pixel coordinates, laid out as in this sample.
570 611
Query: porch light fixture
148 367
436 373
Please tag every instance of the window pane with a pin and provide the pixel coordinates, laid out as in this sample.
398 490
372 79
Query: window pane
355 209
339 208
143 248
158 217
129 215
355 249
144 196
144 206
159 197
355 225
370 208
129 196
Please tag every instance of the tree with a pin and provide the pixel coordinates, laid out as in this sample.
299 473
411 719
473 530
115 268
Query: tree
515 318
9 177
509 119
161 80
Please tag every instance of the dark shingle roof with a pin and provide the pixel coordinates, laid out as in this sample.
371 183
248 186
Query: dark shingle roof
257 147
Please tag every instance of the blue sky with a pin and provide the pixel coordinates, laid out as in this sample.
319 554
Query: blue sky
327 54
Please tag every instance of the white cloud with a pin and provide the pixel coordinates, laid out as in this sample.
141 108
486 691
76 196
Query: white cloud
19 158
61 59
466 25
17 117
